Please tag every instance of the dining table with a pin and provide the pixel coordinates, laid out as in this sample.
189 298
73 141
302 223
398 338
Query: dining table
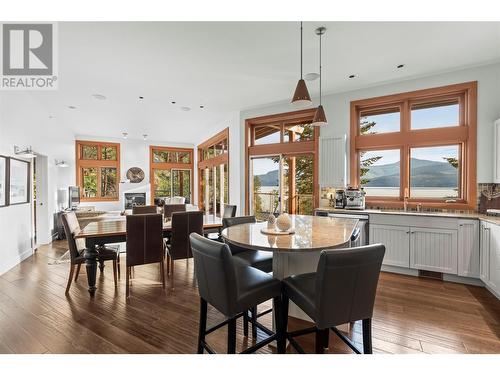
100 233
298 250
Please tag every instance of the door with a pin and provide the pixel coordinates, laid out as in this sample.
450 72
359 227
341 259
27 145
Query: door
215 188
396 241
433 249
494 272
468 248
484 253
181 183
265 185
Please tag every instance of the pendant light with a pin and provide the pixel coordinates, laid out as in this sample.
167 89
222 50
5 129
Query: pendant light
301 97
319 116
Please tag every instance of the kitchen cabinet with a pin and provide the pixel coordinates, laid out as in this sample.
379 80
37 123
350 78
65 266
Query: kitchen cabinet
332 161
484 240
433 249
468 248
396 241
496 158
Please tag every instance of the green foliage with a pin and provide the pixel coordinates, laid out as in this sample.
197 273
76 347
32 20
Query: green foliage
365 164
452 161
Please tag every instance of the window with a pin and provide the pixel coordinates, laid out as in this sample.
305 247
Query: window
98 170
281 168
213 173
420 145
171 169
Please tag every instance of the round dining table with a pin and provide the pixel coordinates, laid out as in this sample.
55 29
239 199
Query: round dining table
299 251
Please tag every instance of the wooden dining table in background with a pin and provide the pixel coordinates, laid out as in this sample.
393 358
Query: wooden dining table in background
100 233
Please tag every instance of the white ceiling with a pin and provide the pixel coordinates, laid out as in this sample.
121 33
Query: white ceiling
230 66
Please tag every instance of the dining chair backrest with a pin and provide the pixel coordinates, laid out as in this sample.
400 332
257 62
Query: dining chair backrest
72 227
229 210
183 224
346 284
141 210
215 273
169 209
144 239
230 221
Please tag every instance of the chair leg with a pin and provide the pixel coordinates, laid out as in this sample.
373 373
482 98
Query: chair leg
115 276
101 266
231 336
127 286
253 310
70 279
320 340
245 323
162 273
118 266
77 270
168 264
284 320
278 319
367 336
172 273
203 325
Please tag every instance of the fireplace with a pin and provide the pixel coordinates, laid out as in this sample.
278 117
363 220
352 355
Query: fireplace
134 199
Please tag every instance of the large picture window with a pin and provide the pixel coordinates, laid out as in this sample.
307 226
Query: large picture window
171 170
419 146
98 170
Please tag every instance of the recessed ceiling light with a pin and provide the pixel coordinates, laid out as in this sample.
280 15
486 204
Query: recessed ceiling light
71 107
202 106
141 97
311 76
144 136
400 66
98 96
185 109
352 76
172 102
51 117
125 135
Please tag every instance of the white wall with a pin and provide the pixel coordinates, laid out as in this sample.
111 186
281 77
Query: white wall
337 107
133 153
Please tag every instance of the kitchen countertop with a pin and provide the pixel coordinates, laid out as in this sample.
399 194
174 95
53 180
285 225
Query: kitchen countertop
458 215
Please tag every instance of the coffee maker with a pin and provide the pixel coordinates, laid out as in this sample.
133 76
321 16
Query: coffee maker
340 199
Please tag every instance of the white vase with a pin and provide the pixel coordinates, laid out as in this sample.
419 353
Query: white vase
283 222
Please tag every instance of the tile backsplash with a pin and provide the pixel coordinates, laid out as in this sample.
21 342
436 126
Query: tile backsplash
488 189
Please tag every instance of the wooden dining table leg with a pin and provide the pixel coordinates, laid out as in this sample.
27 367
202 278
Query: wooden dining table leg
90 256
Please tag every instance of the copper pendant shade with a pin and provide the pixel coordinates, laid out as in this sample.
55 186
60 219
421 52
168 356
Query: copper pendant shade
301 97
319 116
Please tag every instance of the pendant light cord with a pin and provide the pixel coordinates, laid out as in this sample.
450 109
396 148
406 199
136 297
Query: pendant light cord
320 69
300 49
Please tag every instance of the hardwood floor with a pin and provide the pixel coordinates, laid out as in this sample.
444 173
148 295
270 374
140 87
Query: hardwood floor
411 315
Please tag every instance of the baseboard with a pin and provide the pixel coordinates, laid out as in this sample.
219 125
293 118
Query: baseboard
446 277
9 264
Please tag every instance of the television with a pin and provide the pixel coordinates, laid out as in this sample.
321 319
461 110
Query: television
74 197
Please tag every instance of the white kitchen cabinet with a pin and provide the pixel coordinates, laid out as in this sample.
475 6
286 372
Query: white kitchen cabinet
332 161
494 258
484 253
396 241
468 248
496 158
433 249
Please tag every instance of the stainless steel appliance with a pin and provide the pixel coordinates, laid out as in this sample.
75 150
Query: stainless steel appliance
360 235
355 199
340 200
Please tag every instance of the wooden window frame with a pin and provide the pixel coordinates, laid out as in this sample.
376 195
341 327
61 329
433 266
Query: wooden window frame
465 135
164 166
214 161
285 148
98 164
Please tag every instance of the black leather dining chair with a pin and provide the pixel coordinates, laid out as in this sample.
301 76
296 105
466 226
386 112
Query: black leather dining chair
144 243
169 209
141 210
232 289
77 249
262 260
342 290
229 211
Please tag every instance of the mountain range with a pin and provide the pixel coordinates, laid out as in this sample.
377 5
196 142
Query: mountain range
424 173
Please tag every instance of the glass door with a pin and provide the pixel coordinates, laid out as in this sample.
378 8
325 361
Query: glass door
281 183
181 183
215 187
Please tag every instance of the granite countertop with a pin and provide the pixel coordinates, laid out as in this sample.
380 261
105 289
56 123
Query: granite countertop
458 215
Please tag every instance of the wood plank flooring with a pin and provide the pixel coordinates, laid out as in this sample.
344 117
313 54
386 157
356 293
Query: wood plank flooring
412 315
